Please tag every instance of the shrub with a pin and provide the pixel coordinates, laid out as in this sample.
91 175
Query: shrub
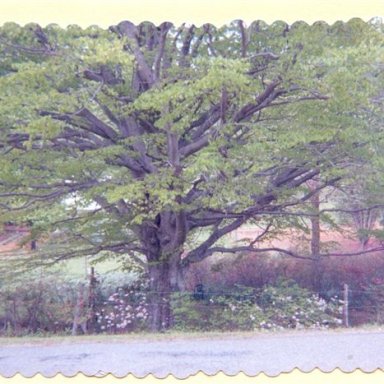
35 306
125 310
371 295
281 306
260 270
226 311
48 304
286 305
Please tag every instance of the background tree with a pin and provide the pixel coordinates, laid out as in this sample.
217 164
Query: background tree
136 139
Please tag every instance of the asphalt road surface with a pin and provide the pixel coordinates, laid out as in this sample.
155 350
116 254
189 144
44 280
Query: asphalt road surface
252 354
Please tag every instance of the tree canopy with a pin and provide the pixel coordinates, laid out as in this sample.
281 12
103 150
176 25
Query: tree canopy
155 142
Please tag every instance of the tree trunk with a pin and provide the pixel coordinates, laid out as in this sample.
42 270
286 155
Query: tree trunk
165 277
163 240
315 238
159 296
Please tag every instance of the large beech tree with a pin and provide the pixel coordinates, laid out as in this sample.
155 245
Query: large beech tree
155 142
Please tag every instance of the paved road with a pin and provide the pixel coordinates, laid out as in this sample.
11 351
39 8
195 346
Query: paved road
272 354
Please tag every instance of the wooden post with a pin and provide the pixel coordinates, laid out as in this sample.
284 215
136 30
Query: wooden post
345 307
79 315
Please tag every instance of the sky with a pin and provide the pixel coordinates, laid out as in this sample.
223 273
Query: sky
106 13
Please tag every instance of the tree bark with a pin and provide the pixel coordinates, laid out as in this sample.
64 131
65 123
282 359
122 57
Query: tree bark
163 241
315 237
159 296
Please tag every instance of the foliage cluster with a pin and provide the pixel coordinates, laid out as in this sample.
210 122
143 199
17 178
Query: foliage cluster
363 274
37 306
124 310
47 306
229 310
282 306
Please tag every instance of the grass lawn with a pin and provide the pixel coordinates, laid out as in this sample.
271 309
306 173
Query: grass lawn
175 335
79 267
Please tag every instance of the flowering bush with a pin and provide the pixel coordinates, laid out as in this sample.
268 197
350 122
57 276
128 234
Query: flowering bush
286 305
282 306
124 310
226 311
52 303
49 304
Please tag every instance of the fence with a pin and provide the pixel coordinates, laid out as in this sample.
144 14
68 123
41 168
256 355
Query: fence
48 307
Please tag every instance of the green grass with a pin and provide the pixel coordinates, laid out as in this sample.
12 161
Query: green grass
173 335
79 267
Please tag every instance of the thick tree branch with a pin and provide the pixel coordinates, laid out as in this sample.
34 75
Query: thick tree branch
201 252
93 124
164 29
128 29
244 40
195 146
96 124
186 46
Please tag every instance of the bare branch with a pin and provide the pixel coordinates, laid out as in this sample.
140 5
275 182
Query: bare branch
357 253
287 252
253 249
266 55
